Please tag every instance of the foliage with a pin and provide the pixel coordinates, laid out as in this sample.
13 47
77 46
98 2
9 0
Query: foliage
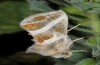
11 13
88 61
40 6
84 12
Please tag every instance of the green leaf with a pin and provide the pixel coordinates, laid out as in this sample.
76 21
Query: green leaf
11 13
88 61
96 52
82 29
84 5
40 6
94 22
91 42
98 63
78 56
77 1
95 10
63 62
59 2
73 10
96 5
97 0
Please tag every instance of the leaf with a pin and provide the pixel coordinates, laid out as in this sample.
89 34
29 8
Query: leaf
91 42
63 62
94 22
96 5
77 1
78 56
84 5
73 10
98 63
59 2
40 6
11 13
88 61
95 10
97 0
96 52
85 30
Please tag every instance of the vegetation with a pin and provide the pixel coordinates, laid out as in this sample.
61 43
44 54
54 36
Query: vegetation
84 12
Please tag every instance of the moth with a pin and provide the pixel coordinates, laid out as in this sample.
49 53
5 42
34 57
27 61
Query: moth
50 34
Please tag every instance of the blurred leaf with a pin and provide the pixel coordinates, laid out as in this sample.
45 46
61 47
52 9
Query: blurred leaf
84 5
79 45
94 22
85 30
96 52
40 6
95 10
11 13
77 17
98 63
91 42
88 61
78 56
73 10
77 1
59 2
97 0
96 5
63 62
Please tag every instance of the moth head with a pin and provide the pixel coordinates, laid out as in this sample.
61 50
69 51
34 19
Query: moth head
66 54
63 54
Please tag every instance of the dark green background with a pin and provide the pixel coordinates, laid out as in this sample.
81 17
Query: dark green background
13 40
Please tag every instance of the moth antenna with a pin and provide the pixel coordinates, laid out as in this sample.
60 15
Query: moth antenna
74 41
79 51
77 39
74 27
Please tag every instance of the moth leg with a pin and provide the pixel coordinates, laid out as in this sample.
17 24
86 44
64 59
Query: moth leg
75 51
73 27
77 39
74 41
